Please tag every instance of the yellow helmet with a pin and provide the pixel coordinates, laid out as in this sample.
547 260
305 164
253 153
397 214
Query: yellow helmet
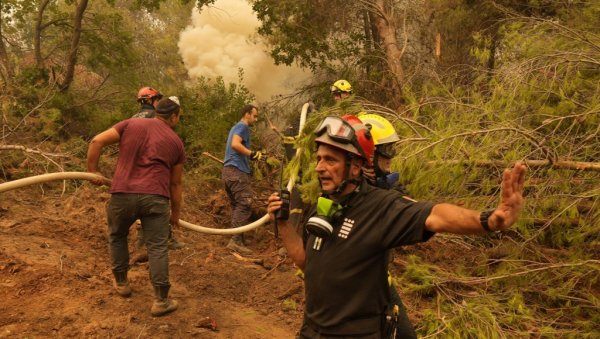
341 86
383 132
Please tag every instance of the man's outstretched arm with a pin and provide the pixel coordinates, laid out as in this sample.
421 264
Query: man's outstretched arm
455 219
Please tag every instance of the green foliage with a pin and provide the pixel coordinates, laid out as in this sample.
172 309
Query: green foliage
210 109
508 304
335 39
77 147
311 33
273 162
107 47
50 121
419 277
516 80
30 76
115 58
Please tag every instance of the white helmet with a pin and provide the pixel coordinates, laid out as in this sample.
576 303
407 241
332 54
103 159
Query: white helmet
175 100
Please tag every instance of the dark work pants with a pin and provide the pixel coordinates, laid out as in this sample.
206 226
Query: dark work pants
239 190
404 327
307 332
154 212
404 331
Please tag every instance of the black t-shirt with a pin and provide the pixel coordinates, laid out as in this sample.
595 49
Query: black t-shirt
146 111
346 274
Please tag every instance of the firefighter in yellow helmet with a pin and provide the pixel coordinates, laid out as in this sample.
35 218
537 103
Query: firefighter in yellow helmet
384 137
341 89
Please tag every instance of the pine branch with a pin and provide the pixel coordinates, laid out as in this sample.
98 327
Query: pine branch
476 281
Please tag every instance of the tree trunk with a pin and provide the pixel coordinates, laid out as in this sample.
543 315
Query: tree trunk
37 37
72 57
368 37
6 70
386 27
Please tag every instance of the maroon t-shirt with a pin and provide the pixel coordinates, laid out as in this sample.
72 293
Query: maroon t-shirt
148 149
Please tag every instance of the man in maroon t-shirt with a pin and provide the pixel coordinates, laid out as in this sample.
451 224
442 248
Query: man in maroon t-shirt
148 97
146 185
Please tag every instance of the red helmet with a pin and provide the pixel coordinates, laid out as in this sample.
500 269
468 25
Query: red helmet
148 93
347 133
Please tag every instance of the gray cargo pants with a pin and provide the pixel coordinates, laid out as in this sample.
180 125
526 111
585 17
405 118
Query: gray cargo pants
154 212
239 191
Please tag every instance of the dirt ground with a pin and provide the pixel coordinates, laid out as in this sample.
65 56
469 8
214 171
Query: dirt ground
55 277
56 281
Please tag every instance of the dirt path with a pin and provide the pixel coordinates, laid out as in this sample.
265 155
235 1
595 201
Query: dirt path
55 278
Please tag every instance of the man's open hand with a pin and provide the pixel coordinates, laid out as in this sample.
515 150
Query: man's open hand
511 201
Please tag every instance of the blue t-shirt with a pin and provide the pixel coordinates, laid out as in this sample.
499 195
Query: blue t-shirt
233 158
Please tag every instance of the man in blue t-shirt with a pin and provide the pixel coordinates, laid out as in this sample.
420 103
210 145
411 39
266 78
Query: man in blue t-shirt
236 174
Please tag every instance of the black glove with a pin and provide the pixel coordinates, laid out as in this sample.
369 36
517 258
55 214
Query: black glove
256 155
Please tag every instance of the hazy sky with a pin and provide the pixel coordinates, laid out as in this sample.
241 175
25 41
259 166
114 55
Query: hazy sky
222 39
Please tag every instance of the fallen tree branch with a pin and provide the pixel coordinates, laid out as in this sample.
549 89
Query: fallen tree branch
212 157
560 164
521 132
273 268
272 126
31 150
256 261
476 281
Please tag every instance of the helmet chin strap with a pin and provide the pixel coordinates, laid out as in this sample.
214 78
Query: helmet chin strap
379 172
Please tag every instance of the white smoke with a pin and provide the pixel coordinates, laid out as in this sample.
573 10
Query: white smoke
220 41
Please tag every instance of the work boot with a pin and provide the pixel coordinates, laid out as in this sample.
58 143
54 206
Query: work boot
121 284
241 239
175 245
162 304
239 247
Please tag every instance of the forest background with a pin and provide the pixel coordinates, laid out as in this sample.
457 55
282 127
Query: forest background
471 87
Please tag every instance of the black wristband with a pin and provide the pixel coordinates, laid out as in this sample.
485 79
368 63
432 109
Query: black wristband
484 217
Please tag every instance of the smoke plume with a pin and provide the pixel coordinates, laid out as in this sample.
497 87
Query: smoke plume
222 39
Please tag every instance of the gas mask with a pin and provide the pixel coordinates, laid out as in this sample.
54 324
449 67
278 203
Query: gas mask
329 214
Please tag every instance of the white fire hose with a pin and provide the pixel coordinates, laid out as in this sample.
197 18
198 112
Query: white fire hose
38 179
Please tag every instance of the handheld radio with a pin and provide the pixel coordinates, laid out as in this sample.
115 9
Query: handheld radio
284 212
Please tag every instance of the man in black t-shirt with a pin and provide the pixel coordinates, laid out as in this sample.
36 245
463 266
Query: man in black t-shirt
353 227
385 137
148 98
